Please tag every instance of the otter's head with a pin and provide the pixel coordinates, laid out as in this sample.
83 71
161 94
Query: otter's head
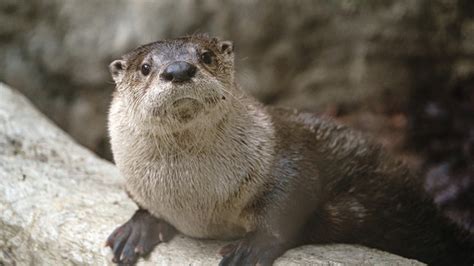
177 82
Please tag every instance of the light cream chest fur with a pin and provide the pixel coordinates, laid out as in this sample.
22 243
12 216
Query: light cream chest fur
198 193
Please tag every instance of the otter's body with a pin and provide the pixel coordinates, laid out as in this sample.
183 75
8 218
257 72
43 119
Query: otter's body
202 157
176 178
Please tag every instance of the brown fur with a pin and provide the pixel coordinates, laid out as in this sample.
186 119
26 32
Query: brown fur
280 177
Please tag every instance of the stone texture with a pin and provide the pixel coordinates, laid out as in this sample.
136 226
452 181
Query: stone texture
305 54
59 202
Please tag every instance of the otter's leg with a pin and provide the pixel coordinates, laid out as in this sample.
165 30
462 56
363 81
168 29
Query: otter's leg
255 249
279 226
138 236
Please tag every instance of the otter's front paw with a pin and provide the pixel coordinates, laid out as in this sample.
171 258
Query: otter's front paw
138 236
254 249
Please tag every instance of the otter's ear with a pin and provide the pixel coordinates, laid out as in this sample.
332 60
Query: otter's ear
226 47
117 70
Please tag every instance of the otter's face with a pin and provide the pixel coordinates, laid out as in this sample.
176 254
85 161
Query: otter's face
174 82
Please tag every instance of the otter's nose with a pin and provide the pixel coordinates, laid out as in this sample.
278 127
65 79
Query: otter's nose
178 72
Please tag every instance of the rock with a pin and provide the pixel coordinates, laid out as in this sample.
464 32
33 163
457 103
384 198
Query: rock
59 202
302 54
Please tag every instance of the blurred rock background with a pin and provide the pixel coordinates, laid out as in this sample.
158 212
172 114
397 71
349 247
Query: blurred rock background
402 71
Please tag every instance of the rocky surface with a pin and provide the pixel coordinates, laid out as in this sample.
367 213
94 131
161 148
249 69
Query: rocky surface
305 54
59 201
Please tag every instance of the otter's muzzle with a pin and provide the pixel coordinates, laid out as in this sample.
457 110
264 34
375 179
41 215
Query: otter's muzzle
178 71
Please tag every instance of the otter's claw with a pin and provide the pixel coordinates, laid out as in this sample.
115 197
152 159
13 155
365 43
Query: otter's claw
138 236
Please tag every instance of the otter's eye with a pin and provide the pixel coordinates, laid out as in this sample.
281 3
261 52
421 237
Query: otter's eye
206 58
146 69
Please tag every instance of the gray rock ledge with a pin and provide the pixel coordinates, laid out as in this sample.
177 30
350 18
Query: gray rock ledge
59 202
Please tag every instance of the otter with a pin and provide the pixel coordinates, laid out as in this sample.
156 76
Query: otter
203 158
